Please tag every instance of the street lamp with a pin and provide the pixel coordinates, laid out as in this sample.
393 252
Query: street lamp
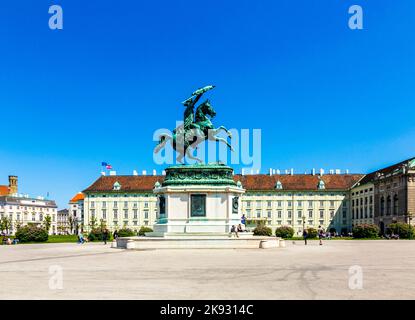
409 215
303 223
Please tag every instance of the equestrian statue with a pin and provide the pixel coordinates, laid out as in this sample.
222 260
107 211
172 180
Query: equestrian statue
196 128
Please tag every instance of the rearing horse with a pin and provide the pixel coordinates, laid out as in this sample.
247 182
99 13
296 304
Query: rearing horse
184 141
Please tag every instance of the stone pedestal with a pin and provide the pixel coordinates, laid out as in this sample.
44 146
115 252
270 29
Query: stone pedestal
197 199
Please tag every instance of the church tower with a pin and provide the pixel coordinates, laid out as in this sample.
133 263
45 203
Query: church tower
12 185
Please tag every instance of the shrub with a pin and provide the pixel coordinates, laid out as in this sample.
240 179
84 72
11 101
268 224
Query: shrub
370 231
312 233
31 233
126 232
97 235
143 230
262 230
402 229
284 232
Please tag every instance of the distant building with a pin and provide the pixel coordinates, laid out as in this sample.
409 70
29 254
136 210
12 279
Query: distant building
63 223
24 210
363 204
76 211
11 189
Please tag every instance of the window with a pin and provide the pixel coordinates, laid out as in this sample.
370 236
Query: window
125 204
146 214
258 214
115 214
104 214
310 214
135 213
382 206
248 204
310 204
269 214
104 204
279 213
395 204
331 203
289 214
299 213
269 204
331 214
321 203
115 204
299 203
125 214
321 214
290 203
145 204
92 204
279 204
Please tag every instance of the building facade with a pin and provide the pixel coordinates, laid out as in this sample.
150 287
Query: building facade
63 224
279 200
76 212
362 202
23 211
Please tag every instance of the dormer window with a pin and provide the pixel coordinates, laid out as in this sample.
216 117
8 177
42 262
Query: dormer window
117 186
321 185
278 185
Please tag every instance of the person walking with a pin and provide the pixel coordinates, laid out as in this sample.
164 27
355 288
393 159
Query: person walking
115 235
320 234
105 236
305 235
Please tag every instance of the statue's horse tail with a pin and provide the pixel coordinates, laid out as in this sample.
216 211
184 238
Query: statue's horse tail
162 142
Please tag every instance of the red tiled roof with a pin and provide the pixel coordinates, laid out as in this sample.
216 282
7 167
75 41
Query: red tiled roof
371 176
4 190
258 182
262 182
128 183
77 197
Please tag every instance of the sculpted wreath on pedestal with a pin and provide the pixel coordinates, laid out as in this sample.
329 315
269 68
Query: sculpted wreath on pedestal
196 128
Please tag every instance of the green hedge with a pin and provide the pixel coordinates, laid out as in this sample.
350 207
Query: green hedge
143 230
126 233
284 232
312 233
370 231
97 235
31 233
262 230
402 229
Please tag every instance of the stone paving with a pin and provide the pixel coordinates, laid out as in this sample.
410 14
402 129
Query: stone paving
96 271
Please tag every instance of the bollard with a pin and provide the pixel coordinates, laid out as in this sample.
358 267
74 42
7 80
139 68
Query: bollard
114 244
282 243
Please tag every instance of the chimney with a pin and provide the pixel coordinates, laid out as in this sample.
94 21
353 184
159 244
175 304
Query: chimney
347 171
163 172
321 172
135 173
144 172
243 171
13 184
278 171
113 173
102 173
292 171
270 171
154 172
313 172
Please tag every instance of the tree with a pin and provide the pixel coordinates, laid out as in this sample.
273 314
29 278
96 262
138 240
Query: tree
5 224
71 223
47 223
93 223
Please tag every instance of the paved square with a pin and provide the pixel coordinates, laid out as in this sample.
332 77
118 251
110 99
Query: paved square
95 271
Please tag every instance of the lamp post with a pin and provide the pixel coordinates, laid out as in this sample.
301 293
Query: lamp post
303 217
409 215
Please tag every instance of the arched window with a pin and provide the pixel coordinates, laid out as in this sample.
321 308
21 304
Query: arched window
382 206
395 204
388 205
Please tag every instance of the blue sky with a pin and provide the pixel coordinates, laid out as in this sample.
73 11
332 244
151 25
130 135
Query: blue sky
322 94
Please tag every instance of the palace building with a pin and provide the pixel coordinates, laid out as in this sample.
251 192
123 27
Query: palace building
336 201
21 210
297 200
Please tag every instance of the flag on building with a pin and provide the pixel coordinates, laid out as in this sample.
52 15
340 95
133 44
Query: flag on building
109 167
